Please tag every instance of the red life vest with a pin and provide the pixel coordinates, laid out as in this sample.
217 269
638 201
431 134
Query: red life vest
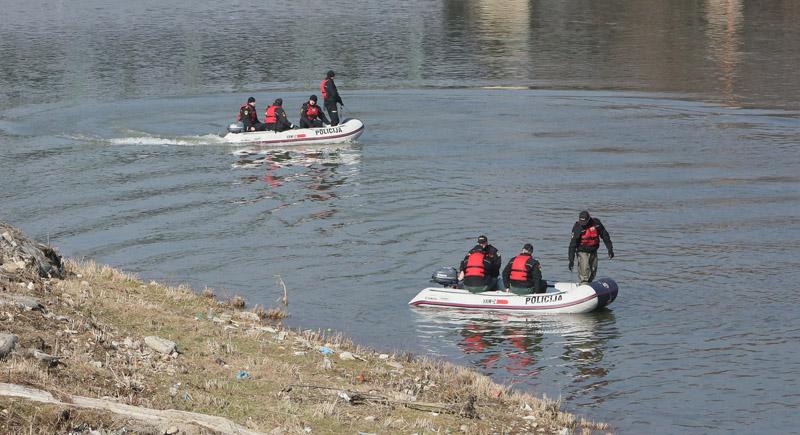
475 265
312 112
519 272
322 89
590 237
270 116
251 113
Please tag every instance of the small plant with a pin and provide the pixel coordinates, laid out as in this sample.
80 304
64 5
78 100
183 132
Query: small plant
238 302
276 314
207 293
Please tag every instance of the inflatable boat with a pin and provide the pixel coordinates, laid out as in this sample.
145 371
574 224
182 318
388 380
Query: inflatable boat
562 297
349 130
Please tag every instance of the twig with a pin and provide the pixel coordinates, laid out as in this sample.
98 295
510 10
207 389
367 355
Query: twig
285 299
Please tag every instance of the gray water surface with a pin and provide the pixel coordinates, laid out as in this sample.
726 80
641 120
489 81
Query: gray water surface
677 126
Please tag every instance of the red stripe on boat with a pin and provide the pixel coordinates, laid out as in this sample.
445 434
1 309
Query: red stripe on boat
310 138
512 307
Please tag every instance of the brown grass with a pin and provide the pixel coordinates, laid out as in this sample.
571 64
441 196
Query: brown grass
238 302
97 320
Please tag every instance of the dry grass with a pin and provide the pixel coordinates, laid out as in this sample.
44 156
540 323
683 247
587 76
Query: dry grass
18 416
238 302
97 320
207 293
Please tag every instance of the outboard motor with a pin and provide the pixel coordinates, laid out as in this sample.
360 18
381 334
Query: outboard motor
446 276
236 127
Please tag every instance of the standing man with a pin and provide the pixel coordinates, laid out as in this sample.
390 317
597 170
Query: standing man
330 97
523 274
249 118
276 118
480 267
586 235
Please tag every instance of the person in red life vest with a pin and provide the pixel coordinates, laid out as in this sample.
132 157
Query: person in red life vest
330 97
275 117
523 274
586 235
481 267
249 118
311 115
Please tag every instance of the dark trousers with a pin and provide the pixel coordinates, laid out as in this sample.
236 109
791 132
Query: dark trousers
333 112
278 126
259 126
307 123
480 286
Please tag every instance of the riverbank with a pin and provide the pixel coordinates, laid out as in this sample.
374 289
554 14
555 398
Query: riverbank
89 347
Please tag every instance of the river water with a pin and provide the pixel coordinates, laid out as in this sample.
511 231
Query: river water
676 123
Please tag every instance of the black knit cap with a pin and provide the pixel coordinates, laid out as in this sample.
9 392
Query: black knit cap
251 100
278 102
313 98
528 247
482 239
330 73
584 216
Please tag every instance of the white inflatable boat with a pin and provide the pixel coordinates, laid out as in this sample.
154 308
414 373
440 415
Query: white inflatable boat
563 297
349 130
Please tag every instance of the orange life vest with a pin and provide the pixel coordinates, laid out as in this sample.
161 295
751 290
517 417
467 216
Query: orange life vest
590 237
519 272
270 116
475 265
312 112
322 89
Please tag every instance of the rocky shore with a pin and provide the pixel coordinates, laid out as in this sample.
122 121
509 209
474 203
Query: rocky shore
86 348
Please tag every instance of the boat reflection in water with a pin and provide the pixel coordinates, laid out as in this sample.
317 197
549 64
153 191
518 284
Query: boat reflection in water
557 355
296 175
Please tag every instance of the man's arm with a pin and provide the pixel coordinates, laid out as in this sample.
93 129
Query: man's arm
537 283
282 115
323 117
606 239
573 244
507 274
336 93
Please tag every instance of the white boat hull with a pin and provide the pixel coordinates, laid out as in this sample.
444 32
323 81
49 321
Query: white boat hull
347 131
566 297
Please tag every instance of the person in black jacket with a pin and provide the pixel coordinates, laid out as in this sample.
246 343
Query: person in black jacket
523 274
586 235
276 118
481 267
330 97
311 115
249 118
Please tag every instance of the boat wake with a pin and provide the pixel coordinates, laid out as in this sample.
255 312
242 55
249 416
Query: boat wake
208 139
141 138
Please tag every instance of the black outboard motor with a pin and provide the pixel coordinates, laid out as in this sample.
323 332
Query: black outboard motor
236 127
446 276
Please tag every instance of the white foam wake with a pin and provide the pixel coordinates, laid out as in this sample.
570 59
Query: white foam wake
208 139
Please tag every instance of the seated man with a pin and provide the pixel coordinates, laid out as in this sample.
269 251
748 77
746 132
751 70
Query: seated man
249 118
311 116
276 118
481 267
523 274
